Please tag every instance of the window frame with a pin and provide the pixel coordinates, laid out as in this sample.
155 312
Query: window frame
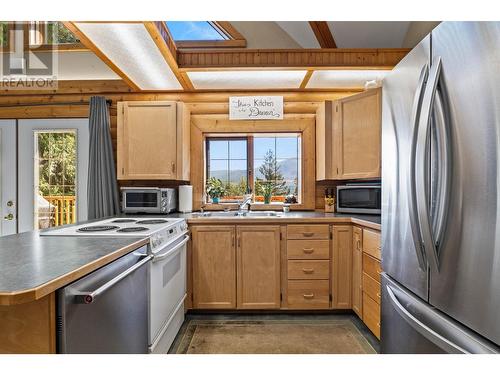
235 38
249 138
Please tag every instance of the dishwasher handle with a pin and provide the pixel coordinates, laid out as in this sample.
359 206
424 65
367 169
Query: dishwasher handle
89 297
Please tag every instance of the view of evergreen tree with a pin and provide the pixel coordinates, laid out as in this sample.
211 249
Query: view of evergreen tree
4 37
57 163
57 33
270 170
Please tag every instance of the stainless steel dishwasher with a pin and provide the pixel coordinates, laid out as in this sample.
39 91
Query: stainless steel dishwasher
107 310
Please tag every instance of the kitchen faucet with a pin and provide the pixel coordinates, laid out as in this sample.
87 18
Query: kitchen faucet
247 198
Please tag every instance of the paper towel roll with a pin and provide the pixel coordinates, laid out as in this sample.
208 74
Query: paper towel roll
185 198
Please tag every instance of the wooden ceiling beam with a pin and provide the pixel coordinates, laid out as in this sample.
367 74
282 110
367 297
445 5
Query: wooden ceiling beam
91 46
323 34
224 59
165 43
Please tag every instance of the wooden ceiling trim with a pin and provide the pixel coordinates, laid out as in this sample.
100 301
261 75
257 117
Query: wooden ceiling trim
323 34
91 46
206 59
74 87
306 79
165 43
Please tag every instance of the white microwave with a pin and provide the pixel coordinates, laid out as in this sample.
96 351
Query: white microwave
359 199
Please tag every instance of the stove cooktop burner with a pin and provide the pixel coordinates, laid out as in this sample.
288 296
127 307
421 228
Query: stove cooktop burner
132 229
97 228
124 221
153 221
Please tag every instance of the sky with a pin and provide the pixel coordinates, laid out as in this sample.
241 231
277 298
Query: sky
193 30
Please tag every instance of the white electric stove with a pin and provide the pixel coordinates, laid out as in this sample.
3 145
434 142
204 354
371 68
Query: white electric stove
167 286
161 231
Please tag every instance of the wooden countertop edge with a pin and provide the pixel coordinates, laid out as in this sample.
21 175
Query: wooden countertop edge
283 220
29 295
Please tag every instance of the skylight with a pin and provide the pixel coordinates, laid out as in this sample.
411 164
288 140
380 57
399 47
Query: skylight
195 30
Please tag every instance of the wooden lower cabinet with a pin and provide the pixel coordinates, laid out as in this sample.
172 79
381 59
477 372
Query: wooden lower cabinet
308 294
258 267
214 267
342 266
357 271
371 314
29 328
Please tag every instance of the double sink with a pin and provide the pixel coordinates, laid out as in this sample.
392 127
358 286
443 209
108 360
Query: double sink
243 214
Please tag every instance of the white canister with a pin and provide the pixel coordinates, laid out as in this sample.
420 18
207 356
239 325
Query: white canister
185 198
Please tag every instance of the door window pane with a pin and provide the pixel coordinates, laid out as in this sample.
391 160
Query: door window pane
55 178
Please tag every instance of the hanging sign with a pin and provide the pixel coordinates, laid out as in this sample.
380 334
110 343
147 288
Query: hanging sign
256 108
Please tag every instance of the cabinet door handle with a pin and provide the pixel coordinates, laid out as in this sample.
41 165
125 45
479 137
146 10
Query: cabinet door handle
308 270
308 250
378 295
308 296
358 244
308 234
173 167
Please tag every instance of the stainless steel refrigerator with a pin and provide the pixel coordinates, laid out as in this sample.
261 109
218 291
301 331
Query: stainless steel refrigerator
441 194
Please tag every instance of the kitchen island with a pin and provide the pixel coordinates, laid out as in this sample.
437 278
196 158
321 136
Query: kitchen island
32 268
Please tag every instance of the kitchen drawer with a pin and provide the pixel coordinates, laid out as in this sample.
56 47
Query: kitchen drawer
371 243
308 269
308 249
371 267
371 314
308 294
311 232
371 287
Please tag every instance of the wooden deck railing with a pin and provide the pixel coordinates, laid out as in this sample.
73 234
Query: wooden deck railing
63 211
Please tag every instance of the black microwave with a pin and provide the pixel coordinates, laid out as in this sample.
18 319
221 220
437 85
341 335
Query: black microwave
359 199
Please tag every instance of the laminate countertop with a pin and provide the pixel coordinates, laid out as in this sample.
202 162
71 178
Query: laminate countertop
292 217
33 266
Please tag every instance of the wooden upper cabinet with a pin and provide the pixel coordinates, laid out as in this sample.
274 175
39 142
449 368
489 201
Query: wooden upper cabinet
342 266
258 267
348 137
153 141
357 271
214 267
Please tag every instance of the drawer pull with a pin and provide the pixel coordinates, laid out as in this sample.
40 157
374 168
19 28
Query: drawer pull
308 250
308 270
378 295
308 296
308 234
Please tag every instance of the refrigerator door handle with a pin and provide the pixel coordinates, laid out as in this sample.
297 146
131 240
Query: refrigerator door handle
422 165
412 204
423 329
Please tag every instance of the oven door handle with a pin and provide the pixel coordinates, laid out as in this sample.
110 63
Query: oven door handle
89 297
157 258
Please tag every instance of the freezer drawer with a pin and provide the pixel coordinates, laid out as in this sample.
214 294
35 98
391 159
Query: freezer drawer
411 326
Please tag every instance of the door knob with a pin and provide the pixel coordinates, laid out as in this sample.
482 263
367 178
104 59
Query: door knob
10 203
9 217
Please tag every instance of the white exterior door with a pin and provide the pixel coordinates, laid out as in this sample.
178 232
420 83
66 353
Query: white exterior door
53 169
8 178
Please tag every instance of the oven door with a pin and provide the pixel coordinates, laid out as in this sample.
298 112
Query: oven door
359 199
141 200
168 286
